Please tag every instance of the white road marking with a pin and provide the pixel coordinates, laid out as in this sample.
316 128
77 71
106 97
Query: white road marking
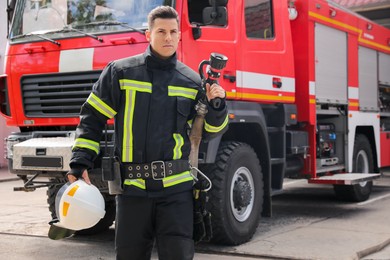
373 200
288 183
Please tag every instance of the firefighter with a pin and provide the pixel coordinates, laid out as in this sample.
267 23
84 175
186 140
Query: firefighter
152 98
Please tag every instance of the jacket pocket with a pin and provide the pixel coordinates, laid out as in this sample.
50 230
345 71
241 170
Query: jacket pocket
183 113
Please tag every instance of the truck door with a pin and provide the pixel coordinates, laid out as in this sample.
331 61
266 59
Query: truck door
265 69
203 35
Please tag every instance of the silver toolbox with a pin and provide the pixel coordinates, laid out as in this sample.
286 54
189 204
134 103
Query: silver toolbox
46 154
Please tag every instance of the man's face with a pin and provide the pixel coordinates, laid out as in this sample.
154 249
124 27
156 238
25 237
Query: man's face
164 37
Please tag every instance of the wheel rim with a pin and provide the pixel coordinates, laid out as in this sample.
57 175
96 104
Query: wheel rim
362 164
242 194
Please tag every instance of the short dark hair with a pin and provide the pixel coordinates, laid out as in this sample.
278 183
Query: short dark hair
163 12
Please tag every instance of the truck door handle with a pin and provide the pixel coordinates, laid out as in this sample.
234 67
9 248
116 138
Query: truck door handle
32 49
124 40
231 78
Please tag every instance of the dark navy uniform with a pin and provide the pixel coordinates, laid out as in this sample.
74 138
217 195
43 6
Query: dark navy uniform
152 102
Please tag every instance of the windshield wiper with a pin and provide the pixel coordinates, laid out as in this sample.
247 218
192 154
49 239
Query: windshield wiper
48 39
71 29
65 29
112 23
37 35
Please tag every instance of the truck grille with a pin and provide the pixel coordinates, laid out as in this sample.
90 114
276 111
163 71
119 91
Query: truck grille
56 95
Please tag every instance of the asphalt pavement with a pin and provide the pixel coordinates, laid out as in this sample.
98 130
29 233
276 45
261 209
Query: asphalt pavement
321 230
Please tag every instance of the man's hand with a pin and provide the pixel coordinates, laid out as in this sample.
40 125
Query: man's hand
214 91
85 176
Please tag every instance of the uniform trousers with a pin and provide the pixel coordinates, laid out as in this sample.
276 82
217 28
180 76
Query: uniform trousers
141 221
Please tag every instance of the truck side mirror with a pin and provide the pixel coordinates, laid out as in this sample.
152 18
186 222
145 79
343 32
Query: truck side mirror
215 16
218 2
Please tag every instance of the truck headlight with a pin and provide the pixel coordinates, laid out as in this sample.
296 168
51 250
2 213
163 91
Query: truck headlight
9 143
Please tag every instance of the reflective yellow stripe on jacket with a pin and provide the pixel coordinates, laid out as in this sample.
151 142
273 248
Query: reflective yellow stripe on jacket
130 87
135 85
179 142
167 182
86 143
215 129
182 92
101 106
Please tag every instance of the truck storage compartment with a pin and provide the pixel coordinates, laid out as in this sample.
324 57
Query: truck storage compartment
297 142
43 154
326 140
331 65
330 147
368 79
385 149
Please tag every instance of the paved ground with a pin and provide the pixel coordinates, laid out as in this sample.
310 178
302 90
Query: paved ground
307 224
5 176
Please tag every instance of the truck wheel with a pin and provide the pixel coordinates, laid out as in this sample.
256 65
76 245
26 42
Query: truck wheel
236 197
101 226
362 163
51 196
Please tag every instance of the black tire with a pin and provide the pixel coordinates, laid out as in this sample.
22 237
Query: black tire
236 197
101 226
51 195
363 162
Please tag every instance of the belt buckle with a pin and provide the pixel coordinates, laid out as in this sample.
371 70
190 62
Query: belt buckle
155 165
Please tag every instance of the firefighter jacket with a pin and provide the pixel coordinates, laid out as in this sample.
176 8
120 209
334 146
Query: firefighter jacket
152 102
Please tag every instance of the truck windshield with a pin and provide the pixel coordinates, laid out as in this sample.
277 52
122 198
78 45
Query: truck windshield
33 17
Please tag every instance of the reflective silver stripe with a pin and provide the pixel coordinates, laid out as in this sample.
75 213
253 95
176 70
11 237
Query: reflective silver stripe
127 150
142 86
86 143
179 143
101 106
182 92
177 179
215 129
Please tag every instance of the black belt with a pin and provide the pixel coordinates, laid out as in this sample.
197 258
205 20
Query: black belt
156 170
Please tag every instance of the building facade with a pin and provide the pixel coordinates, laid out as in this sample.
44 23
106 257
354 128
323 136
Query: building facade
376 10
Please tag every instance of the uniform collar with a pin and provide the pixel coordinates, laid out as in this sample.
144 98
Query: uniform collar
153 62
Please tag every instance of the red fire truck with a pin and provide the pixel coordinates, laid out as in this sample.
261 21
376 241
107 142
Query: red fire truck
307 81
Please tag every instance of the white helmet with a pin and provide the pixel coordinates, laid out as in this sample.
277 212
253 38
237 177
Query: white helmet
79 206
